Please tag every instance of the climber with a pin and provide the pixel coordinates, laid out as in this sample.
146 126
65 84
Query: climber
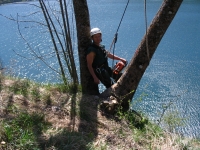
97 61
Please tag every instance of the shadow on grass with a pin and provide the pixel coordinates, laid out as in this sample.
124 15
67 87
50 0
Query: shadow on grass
25 130
82 130
77 134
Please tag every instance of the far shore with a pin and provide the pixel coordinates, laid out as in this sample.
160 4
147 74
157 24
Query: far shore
13 1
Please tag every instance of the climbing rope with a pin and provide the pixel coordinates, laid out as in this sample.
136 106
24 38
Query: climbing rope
145 13
116 33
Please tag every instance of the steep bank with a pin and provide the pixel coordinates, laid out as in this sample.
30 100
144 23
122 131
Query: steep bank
72 121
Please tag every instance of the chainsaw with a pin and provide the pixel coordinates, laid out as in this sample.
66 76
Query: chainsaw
119 67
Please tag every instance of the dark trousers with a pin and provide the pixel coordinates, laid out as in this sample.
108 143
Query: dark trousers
105 73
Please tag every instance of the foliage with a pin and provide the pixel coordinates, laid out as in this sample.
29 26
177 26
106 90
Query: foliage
170 117
133 117
172 120
35 93
21 132
47 98
20 87
70 87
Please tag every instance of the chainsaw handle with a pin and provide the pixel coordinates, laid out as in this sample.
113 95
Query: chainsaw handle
126 63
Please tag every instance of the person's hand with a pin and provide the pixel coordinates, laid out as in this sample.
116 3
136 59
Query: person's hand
123 60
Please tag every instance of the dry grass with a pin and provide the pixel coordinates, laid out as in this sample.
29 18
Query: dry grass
77 122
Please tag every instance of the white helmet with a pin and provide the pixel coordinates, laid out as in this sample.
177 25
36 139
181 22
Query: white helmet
95 31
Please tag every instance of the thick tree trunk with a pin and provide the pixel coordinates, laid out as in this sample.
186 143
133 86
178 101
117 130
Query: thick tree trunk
125 88
83 34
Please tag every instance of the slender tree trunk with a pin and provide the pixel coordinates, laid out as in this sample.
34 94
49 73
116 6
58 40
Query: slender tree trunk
69 48
83 34
125 88
47 18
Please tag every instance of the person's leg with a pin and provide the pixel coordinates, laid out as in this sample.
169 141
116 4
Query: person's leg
104 77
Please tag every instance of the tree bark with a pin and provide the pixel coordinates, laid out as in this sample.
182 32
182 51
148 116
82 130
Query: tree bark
126 86
83 35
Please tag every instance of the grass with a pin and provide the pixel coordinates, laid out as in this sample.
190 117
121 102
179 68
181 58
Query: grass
21 132
1 78
20 87
1 75
53 117
35 93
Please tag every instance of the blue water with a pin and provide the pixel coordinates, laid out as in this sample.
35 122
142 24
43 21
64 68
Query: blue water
174 71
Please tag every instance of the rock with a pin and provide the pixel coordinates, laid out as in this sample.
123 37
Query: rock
3 143
55 108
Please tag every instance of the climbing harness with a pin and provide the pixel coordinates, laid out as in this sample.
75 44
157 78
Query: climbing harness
104 76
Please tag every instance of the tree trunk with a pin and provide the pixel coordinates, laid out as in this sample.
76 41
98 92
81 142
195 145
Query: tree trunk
126 86
83 35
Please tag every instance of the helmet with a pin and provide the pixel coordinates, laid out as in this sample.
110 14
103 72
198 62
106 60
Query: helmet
95 31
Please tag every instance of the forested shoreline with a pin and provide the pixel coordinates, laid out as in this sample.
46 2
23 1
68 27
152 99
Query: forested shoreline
12 1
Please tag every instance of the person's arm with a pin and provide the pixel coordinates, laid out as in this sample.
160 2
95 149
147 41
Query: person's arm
90 58
111 56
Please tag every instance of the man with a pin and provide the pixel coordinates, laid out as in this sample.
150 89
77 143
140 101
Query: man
97 60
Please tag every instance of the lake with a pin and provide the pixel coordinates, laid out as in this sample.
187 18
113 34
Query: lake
172 78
